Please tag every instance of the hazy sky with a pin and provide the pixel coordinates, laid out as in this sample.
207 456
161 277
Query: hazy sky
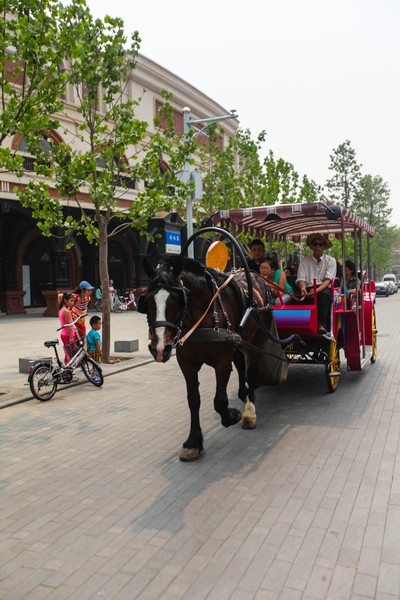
312 73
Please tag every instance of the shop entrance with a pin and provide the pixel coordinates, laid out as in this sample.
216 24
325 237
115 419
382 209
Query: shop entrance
37 271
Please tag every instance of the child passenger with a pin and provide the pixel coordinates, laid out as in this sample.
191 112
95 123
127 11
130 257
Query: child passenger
94 339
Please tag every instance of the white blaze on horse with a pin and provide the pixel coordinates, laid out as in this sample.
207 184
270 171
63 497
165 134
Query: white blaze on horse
205 315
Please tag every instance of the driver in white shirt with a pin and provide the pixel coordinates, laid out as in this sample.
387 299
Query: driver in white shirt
322 268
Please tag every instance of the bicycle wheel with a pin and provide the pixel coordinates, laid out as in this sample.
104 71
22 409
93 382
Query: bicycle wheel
117 306
98 305
41 382
92 371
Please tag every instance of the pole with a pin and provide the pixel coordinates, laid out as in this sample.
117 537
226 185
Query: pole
186 171
187 123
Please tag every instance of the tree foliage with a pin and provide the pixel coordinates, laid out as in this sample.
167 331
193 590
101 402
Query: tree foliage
371 203
236 176
344 184
111 148
36 38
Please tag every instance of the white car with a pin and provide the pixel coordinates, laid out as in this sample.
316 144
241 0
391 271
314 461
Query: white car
390 278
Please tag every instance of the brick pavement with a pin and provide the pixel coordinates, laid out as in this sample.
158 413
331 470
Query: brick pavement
95 503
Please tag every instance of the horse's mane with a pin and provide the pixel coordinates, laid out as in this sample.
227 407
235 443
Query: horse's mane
170 268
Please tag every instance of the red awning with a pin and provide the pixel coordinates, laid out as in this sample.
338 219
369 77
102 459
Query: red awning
291 221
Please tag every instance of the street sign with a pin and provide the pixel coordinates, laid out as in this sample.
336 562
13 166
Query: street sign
172 242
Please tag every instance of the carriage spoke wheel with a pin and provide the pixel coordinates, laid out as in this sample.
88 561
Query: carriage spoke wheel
290 355
332 367
374 349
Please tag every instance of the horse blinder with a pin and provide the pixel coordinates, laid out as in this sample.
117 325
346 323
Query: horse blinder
142 305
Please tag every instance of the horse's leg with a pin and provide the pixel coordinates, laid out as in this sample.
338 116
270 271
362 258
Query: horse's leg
249 418
239 362
193 446
229 416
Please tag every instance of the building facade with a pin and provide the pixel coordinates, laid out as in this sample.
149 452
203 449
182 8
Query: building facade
34 267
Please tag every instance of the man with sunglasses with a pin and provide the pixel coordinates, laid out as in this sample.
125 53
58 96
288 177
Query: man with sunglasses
322 268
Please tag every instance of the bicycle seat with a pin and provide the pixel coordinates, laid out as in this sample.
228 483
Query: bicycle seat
51 343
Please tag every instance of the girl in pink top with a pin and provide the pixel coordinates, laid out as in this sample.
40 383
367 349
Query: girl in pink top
68 334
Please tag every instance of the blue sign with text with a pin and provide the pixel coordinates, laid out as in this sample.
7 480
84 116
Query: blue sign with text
173 242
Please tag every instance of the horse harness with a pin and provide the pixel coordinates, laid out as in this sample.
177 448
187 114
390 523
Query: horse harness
217 333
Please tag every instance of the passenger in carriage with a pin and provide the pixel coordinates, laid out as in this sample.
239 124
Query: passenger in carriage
270 270
257 250
322 268
288 271
350 277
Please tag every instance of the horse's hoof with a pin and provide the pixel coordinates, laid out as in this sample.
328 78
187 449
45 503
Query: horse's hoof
189 454
249 418
249 423
235 415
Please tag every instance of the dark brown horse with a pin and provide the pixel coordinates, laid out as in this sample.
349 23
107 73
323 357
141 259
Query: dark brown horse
179 298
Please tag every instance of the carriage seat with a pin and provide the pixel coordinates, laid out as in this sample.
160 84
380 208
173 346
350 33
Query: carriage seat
296 318
303 318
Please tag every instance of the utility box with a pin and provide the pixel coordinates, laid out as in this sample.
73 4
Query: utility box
126 346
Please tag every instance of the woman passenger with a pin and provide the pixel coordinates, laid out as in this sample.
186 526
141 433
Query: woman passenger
350 277
270 270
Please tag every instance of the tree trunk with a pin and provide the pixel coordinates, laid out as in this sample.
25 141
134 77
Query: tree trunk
105 294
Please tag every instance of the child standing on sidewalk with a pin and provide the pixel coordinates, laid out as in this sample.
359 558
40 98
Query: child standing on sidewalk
82 299
94 339
68 334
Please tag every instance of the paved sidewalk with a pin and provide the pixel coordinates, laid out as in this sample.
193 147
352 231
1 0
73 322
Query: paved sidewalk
96 505
23 336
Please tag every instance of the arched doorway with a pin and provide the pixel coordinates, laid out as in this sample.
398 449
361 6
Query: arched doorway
120 264
37 271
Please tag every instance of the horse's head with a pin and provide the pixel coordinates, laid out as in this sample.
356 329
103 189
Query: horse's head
164 304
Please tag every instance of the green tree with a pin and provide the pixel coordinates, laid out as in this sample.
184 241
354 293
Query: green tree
115 149
371 203
281 180
310 191
236 176
344 184
220 173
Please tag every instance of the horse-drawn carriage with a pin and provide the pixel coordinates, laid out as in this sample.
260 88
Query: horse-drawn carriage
216 318
353 315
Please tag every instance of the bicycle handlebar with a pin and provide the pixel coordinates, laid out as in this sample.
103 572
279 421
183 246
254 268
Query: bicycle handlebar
72 322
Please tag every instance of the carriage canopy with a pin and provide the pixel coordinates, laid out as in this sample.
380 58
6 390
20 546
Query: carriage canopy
280 222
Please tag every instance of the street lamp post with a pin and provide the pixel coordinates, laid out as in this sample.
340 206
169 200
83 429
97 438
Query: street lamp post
187 124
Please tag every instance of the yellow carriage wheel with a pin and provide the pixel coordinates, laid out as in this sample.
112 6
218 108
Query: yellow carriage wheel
217 256
290 354
374 348
332 368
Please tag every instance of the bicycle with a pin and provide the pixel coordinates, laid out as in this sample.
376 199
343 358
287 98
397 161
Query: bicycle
46 376
128 301
118 303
